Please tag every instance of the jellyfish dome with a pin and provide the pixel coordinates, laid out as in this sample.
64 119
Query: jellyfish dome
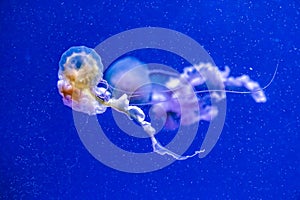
129 76
82 66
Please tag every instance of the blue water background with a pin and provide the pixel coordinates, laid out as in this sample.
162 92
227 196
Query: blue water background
257 155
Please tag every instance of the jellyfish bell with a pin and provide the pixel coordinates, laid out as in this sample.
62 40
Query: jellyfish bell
81 66
129 76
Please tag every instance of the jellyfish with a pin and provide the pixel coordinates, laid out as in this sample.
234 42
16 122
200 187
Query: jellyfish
129 83
167 91
80 71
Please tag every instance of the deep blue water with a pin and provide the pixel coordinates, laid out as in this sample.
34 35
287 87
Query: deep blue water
257 155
